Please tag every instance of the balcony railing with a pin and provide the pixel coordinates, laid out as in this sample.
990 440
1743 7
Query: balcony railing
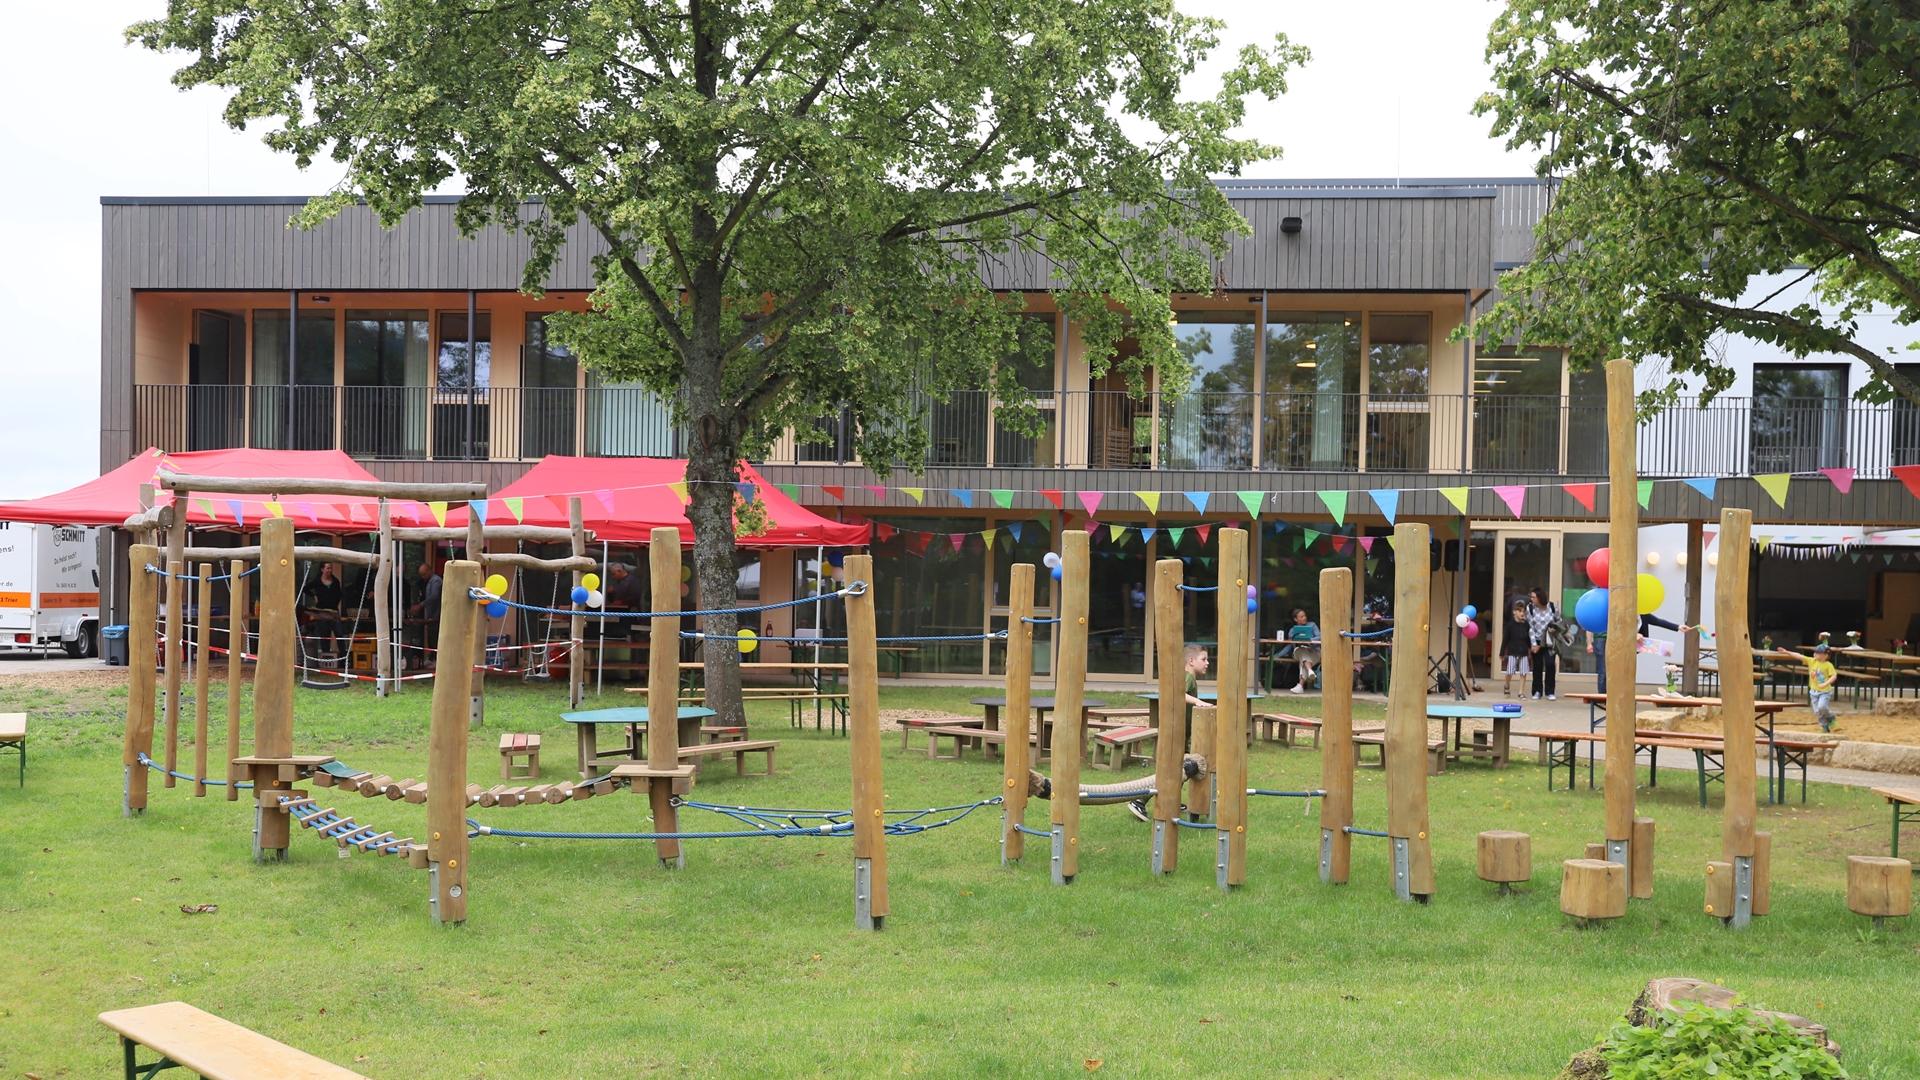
1280 431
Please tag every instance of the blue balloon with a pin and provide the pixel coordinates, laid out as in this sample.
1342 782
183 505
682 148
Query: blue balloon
836 558
579 594
1056 573
497 609
1470 612
1590 611
1253 607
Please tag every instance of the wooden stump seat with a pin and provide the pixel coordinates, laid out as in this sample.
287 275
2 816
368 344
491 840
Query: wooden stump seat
1879 887
1591 889
513 748
1505 857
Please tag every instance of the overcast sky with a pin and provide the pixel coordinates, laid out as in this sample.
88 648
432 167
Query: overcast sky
1389 92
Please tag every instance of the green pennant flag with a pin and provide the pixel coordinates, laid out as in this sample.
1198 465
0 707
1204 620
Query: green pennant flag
1175 533
1372 565
1645 493
1252 500
1312 535
791 491
1002 497
1336 504
1393 542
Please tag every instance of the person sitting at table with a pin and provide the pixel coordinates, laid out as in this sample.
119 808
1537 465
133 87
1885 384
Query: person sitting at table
1305 656
1196 666
320 608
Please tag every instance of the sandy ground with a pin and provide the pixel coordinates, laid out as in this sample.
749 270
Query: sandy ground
1861 726
59 673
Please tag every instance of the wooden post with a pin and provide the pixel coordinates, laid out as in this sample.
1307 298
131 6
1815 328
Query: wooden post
870 906
202 680
663 690
383 665
447 747
1336 720
1736 710
1406 746
1230 719
238 597
477 643
577 622
1019 712
1690 640
142 609
176 603
1169 752
1623 610
1069 713
273 685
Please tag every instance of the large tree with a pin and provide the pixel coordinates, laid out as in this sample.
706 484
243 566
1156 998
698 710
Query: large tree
1698 145
802 201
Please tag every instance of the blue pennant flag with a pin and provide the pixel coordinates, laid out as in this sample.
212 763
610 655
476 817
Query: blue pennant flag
1199 501
1147 534
1703 484
963 496
478 508
1388 500
1014 527
745 489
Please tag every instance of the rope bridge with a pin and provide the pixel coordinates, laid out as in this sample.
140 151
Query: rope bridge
766 822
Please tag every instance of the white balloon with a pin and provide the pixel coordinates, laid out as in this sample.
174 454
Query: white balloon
1461 620
1051 559
595 598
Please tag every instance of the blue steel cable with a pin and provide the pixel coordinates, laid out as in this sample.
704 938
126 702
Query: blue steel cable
1199 588
157 767
853 589
1314 794
993 635
248 572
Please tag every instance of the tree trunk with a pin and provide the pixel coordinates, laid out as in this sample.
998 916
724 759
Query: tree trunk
711 473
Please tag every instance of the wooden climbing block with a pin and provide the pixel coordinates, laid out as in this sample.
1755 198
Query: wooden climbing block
1879 887
1593 889
514 747
1505 857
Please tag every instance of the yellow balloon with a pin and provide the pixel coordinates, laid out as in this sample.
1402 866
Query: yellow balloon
686 573
1652 594
590 582
749 640
497 584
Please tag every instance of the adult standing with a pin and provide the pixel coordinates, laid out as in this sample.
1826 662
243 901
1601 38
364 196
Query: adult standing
322 603
426 611
622 593
1542 620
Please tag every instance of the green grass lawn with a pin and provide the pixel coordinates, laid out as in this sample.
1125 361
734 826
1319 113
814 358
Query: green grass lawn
587 959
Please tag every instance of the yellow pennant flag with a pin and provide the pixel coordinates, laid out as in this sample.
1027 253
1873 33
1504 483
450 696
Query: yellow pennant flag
439 511
918 495
1761 542
1457 496
273 510
679 488
1150 499
1775 485
1114 532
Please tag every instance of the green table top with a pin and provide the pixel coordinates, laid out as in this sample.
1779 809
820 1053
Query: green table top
630 714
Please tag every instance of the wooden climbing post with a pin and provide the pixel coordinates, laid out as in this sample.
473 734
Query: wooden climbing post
1336 724
383 649
238 595
1069 713
176 604
142 610
1015 761
576 622
1406 747
202 679
1230 719
447 746
1736 713
1623 613
863 736
1169 751
663 691
273 677
477 644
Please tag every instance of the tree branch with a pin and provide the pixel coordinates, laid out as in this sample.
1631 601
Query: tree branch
1833 339
628 266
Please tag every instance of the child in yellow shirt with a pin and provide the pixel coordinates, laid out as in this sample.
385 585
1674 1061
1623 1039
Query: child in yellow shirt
1820 679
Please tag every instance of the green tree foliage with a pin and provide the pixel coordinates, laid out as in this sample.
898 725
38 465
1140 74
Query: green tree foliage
801 200
1698 145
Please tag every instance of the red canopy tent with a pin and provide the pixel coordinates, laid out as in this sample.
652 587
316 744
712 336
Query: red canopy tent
623 499
111 499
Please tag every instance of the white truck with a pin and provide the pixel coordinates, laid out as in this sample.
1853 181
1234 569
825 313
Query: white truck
49 588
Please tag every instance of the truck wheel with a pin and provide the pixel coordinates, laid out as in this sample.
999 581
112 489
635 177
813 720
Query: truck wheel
81 647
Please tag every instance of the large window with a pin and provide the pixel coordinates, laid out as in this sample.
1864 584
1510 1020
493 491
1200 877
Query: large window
1211 425
1033 365
1399 416
386 384
461 406
1313 389
926 586
549 380
1517 412
1031 546
292 410
1799 417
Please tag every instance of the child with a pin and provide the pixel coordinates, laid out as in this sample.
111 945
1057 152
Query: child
1820 679
1196 666
1305 655
1513 649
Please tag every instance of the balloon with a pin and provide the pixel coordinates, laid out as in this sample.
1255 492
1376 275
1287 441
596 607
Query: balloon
686 573
1462 621
1051 559
1590 611
497 609
1652 594
836 558
579 594
589 581
595 598
1253 606
1056 573
497 584
749 640
1253 592
1471 630
685 589
1597 567
1470 611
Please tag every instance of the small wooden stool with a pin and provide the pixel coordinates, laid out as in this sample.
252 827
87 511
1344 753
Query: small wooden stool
514 746
1879 887
1591 889
1505 857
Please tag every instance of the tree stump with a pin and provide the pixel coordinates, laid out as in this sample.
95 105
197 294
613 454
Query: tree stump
1593 889
1597 851
1879 887
1505 857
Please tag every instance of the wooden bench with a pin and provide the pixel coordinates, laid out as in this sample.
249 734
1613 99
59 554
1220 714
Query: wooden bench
739 748
1283 728
187 1038
719 733
1906 807
1118 746
13 736
514 747
921 723
961 736
1436 751
1103 716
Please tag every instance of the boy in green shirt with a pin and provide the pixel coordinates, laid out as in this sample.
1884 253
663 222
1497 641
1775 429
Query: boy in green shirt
1820 679
1196 666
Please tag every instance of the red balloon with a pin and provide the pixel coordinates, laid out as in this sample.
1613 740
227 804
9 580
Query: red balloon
1597 567
1471 630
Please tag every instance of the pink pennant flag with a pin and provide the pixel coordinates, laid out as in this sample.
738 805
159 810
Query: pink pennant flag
1090 500
1514 495
958 540
605 495
1366 543
1842 478
879 490
307 509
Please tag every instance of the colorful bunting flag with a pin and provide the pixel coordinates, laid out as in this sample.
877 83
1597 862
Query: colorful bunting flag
1340 544
1775 485
1253 500
1842 478
1643 493
206 508
1202 531
1175 533
958 540
1002 497
1762 542
273 510
1149 499
239 517
884 531
478 508
791 491
1311 536
605 495
1705 485
1090 500
517 507
1372 565
1457 496
1393 542
1582 494
1366 543
1114 532
879 491
1514 495
837 492
438 509
1053 495
1388 500
1706 537
1909 477
918 495
1336 502
963 496
1147 533
678 487
1199 501
1014 527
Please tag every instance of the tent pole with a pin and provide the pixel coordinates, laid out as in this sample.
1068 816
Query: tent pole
600 659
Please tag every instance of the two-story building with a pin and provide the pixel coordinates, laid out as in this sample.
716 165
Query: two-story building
1325 371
